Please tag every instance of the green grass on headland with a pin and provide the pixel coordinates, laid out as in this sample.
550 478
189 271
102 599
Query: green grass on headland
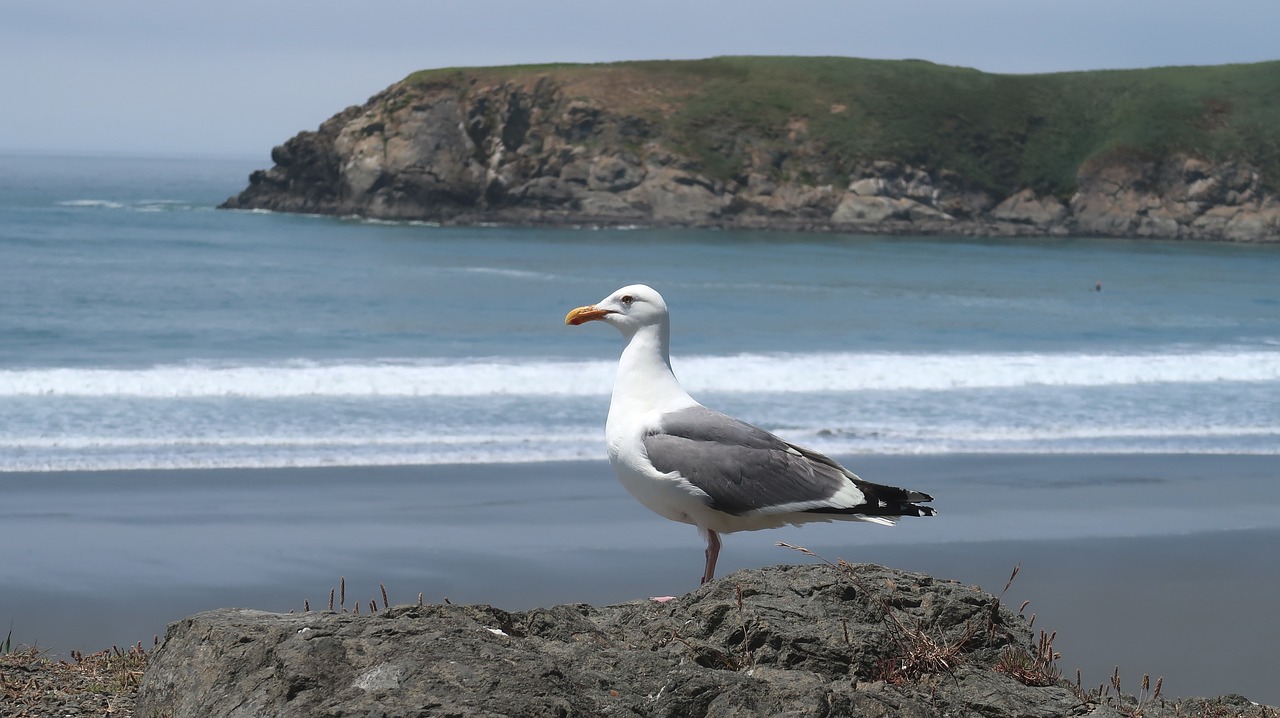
1000 132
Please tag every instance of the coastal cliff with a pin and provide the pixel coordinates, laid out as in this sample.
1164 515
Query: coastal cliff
812 144
818 640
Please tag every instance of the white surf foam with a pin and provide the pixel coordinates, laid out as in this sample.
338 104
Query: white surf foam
305 379
504 272
108 433
102 203
257 441
823 373
888 372
161 205
111 453
115 453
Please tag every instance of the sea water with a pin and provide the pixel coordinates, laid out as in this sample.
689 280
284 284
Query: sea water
140 327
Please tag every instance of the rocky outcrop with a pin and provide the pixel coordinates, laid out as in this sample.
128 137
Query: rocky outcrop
816 640
1025 208
538 149
1179 197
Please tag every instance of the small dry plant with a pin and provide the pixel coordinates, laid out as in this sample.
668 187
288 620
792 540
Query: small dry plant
32 683
1112 694
1037 665
1032 667
113 670
747 661
918 653
341 594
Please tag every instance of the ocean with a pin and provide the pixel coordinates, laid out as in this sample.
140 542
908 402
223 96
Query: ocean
203 408
143 329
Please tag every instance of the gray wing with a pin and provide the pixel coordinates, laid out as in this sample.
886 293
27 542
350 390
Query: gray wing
742 468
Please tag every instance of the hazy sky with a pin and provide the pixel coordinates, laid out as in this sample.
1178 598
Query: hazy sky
237 77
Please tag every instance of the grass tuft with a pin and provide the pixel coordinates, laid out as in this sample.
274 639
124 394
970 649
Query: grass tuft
1034 667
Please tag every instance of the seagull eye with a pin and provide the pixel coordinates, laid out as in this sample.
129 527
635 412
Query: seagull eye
627 299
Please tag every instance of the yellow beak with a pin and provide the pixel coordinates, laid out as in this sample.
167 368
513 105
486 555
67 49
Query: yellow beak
581 315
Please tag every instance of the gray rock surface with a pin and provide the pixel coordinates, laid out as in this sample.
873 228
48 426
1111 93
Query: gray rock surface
1026 208
814 641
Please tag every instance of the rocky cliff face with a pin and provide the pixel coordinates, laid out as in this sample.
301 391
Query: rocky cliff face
816 640
538 149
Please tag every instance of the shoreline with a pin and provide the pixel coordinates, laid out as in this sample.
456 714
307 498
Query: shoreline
956 228
1131 558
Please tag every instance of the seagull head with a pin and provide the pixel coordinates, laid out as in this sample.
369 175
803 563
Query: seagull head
629 309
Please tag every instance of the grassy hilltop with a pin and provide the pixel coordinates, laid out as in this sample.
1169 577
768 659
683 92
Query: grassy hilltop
1001 132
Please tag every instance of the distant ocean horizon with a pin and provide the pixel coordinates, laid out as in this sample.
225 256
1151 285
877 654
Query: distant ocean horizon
144 329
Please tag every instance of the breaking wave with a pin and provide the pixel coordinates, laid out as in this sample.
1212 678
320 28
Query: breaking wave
753 373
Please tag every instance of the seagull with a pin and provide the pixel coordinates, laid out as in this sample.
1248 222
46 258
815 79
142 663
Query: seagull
694 465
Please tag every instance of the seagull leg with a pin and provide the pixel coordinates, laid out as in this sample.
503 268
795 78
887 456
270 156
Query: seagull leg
713 552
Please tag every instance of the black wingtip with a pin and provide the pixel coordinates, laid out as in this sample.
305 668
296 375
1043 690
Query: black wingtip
888 510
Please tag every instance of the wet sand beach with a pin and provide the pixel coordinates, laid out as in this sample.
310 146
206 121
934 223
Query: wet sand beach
1160 564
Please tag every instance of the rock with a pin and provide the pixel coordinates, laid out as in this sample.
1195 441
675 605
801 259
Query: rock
579 121
869 187
1158 224
1026 208
608 205
612 174
1206 189
787 640
861 209
921 211
1180 197
799 201
578 172
1255 224
674 195
1194 168
1215 220
545 191
760 184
